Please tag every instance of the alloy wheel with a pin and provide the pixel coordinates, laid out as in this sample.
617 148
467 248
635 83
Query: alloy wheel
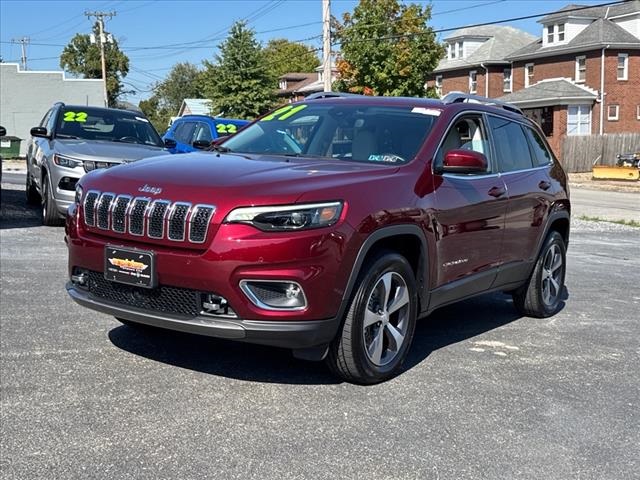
552 271
386 318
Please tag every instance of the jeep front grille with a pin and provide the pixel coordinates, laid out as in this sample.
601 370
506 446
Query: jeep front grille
140 216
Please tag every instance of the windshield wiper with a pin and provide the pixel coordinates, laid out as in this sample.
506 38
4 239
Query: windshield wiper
63 135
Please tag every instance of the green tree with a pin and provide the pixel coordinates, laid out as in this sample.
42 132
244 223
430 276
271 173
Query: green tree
183 81
81 57
283 56
239 83
386 49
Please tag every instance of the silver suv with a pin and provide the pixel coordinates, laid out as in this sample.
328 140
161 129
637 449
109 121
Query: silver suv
72 140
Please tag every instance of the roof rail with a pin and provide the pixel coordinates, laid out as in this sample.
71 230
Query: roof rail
318 95
461 97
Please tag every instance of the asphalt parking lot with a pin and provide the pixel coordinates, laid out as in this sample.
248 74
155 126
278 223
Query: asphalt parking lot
485 394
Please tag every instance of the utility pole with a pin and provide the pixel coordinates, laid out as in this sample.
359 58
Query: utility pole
24 41
100 16
326 44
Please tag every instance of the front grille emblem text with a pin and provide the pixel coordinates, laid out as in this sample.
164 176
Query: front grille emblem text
152 190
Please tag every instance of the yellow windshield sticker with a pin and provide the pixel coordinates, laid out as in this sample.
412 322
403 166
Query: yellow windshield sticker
75 117
284 113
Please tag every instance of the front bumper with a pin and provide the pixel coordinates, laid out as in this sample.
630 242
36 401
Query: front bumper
286 334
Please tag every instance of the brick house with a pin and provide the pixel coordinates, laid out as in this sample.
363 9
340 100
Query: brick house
583 75
289 85
296 86
475 60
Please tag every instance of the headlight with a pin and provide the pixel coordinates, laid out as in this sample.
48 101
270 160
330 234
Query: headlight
90 165
66 161
78 198
288 217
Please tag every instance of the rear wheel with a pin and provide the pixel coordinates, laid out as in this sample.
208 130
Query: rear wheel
50 215
33 197
541 296
378 327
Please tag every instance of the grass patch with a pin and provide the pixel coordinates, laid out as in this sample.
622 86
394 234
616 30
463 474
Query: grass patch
628 223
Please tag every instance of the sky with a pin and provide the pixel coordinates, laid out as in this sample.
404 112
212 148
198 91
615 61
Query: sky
147 30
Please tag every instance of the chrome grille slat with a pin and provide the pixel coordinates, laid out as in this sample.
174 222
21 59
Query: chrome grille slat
136 215
199 222
155 218
103 210
143 216
89 207
119 213
177 221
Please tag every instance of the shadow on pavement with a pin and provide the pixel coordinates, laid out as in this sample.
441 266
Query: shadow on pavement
243 361
15 212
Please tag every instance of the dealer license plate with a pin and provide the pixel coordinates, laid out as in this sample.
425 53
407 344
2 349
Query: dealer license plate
130 266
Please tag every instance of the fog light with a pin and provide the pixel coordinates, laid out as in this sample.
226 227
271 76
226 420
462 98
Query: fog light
274 295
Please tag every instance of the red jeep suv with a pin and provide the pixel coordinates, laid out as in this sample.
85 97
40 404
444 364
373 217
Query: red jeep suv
329 227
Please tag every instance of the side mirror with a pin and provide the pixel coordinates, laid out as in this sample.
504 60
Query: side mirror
464 161
170 143
201 144
39 132
3 131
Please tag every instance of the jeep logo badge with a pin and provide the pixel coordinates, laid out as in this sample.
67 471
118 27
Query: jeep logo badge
152 190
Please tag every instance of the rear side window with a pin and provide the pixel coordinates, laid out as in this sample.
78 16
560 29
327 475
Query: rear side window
541 155
184 132
512 148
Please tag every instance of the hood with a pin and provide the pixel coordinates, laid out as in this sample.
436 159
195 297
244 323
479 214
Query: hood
233 178
106 151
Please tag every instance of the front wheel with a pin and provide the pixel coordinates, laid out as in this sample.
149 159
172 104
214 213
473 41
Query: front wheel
50 216
378 327
541 296
33 197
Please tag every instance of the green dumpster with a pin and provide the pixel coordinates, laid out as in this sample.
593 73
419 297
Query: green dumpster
10 146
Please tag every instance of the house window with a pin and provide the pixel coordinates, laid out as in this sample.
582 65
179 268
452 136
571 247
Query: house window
581 68
638 112
461 49
452 49
439 84
550 33
528 75
561 32
506 80
613 112
283 84
623 66
579 120
473 81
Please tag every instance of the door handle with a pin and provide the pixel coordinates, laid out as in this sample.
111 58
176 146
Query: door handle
544 185
496 191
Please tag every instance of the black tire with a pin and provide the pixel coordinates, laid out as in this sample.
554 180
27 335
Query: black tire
541 296
33 197
50 215
348 355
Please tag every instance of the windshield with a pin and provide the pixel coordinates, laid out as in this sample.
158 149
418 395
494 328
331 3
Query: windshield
360 133
109 125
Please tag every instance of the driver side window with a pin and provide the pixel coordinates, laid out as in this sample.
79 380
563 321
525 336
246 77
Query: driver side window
467 133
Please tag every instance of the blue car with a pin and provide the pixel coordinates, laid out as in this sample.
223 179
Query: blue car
198 129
